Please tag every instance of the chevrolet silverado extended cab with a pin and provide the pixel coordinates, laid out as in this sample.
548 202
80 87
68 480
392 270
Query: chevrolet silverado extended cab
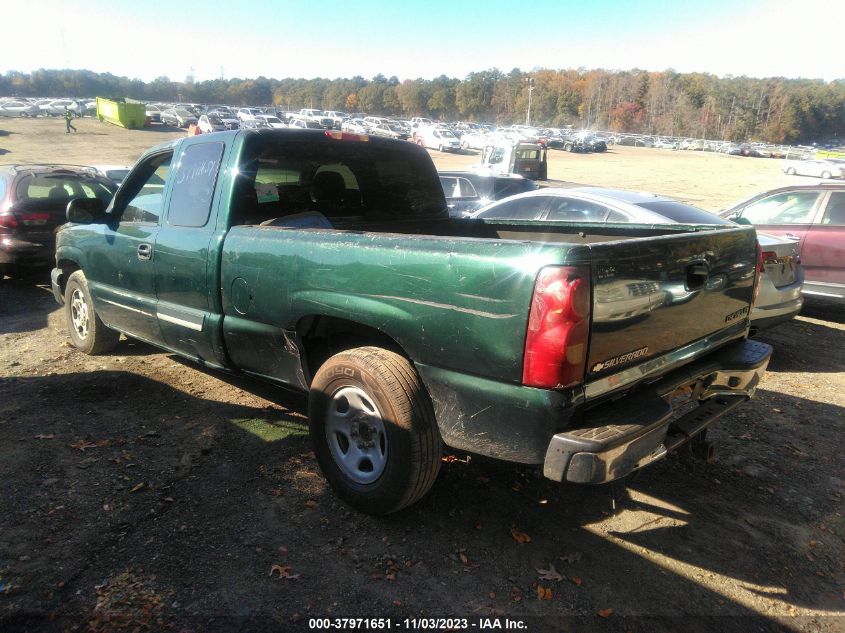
327 262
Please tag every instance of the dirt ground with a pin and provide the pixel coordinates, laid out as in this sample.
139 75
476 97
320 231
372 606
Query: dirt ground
141 493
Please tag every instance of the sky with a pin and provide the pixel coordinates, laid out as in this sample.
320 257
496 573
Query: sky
146 39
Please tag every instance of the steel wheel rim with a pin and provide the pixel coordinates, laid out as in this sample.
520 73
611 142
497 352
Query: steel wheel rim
79 313
356 435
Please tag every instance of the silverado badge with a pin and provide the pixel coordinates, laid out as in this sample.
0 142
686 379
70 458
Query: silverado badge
620 360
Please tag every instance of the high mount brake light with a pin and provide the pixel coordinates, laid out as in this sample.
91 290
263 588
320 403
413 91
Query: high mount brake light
558 328
346 136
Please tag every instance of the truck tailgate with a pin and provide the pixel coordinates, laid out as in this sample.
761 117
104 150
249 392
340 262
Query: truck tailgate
656 295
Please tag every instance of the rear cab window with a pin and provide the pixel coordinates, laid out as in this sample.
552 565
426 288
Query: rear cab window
337 179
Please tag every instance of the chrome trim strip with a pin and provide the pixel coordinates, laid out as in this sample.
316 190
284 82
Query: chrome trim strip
126 307
197 327
659 365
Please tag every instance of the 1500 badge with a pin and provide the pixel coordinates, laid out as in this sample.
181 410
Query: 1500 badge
620 360
735 315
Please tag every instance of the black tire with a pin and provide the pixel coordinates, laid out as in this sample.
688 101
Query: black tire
87 332
395 422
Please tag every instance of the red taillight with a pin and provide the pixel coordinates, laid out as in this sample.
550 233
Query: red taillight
759 272
558 328
8 220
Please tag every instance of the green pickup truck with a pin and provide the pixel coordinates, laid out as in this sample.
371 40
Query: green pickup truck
327 262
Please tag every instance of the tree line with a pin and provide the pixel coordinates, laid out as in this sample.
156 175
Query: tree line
702 105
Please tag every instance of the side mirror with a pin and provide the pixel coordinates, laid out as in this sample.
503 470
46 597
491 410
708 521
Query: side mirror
740 220
85 210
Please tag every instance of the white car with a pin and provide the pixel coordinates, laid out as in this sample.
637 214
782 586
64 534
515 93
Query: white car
60 106
19 108
355 126
248 114
270 121
305 124
818 168
338 117
439 138
475 139
209 123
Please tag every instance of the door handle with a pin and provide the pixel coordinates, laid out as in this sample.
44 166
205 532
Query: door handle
145 251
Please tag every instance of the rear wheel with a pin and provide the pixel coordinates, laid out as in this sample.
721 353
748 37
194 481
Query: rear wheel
826 175
87 332
790 171
373 430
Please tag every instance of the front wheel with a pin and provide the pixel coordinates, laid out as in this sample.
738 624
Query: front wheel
87 332
373 430
826 175
790 171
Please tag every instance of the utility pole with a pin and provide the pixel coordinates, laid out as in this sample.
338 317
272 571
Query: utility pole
530 81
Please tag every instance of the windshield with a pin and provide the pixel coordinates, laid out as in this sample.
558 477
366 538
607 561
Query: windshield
183 113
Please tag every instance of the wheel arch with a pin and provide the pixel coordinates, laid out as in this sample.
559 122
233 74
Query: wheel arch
321 337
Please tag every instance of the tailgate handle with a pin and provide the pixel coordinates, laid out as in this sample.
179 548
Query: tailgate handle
697 275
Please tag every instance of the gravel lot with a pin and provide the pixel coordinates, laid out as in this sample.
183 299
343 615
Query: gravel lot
140 492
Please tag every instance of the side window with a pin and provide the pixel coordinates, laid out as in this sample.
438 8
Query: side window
834 215
791 207
2 188
575 210
193 184
466 189
528 208
497 156
143 194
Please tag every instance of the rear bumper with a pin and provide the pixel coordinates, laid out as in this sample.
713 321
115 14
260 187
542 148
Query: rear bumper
17 251
622 436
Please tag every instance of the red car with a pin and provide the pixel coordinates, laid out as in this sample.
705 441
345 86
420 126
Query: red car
813 216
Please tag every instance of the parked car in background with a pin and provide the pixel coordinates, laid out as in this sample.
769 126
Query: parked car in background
33 199
436 137
58 107
818 168
390 130
475 139
227 117
318 116
210 123
115 173
270 120
779 296
305 123
153 113
468 191
247 114
356 126
812 216
178 117
338 117
19 108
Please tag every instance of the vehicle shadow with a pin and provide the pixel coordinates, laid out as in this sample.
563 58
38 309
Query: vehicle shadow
824 310
791 340
25 303
124 472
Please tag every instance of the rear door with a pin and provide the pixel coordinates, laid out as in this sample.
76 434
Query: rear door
186 268
823 250
657 294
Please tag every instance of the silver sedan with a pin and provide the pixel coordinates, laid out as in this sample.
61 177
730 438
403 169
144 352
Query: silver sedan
781 279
